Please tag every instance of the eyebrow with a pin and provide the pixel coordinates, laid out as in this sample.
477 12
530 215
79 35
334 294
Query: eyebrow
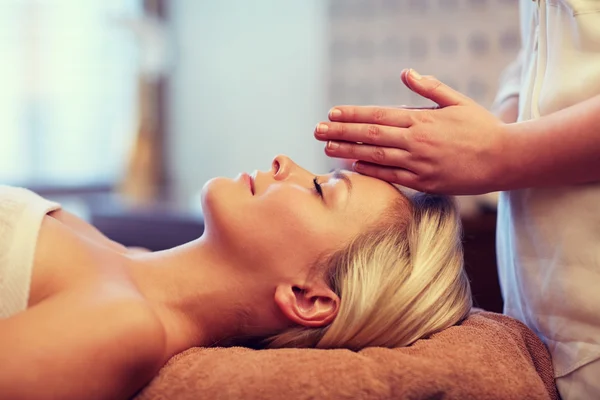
338 174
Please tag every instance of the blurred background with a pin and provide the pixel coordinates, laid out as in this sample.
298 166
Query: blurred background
123 109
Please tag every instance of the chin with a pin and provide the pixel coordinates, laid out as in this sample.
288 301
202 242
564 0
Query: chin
214 192
219 198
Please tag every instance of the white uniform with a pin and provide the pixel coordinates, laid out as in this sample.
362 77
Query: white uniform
21 214
548 240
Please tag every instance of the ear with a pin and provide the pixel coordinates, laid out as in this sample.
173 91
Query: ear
311 305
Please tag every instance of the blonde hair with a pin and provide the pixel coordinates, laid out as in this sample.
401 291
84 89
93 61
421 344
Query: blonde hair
398 282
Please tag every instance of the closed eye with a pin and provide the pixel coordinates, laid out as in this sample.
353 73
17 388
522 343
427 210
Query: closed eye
318 187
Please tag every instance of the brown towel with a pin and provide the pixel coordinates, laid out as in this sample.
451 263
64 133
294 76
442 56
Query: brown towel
489 356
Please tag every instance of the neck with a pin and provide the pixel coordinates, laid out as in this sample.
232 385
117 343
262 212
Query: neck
200 296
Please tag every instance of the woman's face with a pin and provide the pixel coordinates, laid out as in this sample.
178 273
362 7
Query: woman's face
284 218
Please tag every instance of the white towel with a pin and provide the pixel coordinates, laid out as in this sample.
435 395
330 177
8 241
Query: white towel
21 215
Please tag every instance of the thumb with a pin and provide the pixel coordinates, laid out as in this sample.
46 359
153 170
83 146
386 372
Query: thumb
432 89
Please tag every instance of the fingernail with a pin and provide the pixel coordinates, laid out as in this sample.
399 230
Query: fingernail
322 128
357 166
415 74
332 145
335 113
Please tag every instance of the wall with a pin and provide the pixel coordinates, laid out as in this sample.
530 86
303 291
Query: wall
465 43
247 85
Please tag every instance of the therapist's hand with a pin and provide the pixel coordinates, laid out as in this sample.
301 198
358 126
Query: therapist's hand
458 148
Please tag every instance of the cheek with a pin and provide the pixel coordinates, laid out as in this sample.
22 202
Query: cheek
289 212
254 228
293 228
279 225
288 226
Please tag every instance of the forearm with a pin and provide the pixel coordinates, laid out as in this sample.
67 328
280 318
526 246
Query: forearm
562 148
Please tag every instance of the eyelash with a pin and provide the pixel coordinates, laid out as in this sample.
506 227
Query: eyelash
318 188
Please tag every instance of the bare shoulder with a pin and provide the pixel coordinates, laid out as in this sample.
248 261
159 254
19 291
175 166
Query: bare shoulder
86 230
135 327
72 346
135 343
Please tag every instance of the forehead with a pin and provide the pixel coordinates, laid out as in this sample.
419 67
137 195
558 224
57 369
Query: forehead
371 195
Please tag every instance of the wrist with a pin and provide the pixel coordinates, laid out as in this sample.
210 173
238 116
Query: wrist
507 170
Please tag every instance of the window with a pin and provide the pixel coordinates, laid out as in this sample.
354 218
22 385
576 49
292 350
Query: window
68 90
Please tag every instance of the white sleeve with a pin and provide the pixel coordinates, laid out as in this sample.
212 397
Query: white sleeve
510 81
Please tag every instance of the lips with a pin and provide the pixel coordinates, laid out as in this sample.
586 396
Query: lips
251 179
253 182
249 182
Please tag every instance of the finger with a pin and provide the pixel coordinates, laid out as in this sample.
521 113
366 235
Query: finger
390 116
388 156
379 135
399 176
418 108
434 90
403 77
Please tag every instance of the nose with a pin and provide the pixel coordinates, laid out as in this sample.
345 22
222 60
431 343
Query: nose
284 168
281 166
